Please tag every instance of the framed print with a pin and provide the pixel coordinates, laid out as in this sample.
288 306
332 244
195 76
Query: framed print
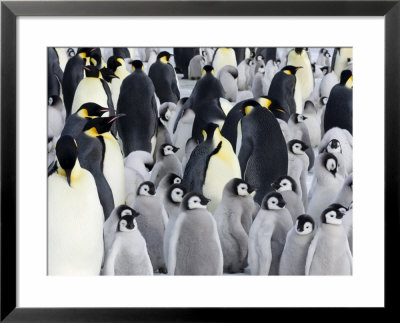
30 292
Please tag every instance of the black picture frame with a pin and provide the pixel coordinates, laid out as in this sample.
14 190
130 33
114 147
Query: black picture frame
10 10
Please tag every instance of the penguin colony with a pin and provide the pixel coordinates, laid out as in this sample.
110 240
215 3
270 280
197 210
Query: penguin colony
200 161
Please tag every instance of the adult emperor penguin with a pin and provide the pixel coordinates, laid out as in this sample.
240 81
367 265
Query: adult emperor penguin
304 76
164 79
118 66
328 184
195 248
287 186
233 217
298 240
182 56
73 74
268 235
298 165
340 59
137 101
92 89
128 254
74 210
339 109
172 201
228 77
166 162
283 86
110 225
152 223
212 164
54 73
262 144
222 57
329 252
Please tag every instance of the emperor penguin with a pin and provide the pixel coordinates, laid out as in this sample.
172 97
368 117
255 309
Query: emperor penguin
233 217
183 132
166 182
271 68
74 210
222 57
172 201
299 131
163 136
189 147
334 147
168 111
329 252
323 57
208 54
340 59
304 76
339 109
110 225
345 195
327 83
228 77
298 240
298 166
267 235
137 101
194 247
196 64
259 85
136 172
166 162
282 88
212 164
118 66
345 139
328 185
128 254
64 54
261 135
182 56
92 89
152 223
244 74
288 188
73 74
164 79
54 73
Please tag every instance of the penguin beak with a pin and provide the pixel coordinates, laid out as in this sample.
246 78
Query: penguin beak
92 50
282 204
305 147
298 67
116 117
204 200
275 186
152 191
339 215
250 189
149 166
104 110
333 172
130 226
86 68
175 149
113 76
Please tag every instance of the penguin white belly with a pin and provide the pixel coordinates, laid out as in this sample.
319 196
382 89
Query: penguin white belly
62 57
115 89
313 123
56 121
224 56
220 171
90 89
113 169
75 227
341 60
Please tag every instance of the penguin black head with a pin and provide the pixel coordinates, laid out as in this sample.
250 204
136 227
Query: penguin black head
137 65
285 183
334 146
127 223
101 125
168 149
298 118
176 192
331 216
67 153
207 69
324 70
114 61
249 105
208 133
54 100
195 200
91 109
273 201
297 147
123 210
173 179
92 71
108 74
346 78
166 109
330 163
164 56
342 209
146 189
95 59
299 50
85 52
290 69
271 104
304 224
240 187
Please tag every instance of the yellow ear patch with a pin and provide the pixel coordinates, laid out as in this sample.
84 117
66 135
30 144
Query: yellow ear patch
83 113
92 132
248 109
287 72
93 61
83 55
349 83
204 133
264 102
120 60
164 59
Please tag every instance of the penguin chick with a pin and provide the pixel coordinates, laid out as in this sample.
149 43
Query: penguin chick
312 120
152 223
328 185
183 132
166 163
298 240
128 253
329 252
298 165
172 201
345 195
228 78
287 186
244 74
233 217
168 111
268 235
166 182
162 137
196 64
195 248
348 225
55 115
74 210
